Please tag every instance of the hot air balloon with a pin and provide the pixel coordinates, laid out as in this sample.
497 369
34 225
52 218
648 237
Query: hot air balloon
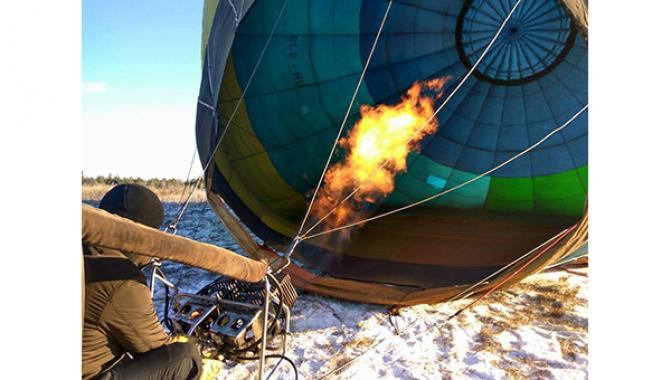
278 78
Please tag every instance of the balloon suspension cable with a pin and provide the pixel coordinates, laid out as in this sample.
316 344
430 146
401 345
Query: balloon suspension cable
524 266
188 175
461 185
297 238
467 292
235 12
428 121
246 87
286 257
551 241
173 226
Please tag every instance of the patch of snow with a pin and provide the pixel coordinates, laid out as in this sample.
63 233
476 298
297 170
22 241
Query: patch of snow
536 329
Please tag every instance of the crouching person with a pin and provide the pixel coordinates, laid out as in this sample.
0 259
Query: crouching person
122 337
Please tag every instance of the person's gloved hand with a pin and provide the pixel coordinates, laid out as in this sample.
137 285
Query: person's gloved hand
210 369
179 339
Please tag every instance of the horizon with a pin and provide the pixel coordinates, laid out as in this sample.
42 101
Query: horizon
111 176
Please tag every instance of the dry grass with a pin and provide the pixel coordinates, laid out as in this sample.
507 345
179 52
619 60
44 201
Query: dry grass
571 350
359 342
339 361
96 191
553 303
546 302
485 339
350 351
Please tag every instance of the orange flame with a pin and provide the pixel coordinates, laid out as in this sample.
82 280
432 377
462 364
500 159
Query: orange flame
384 135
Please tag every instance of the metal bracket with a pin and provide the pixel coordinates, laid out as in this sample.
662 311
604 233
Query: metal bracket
157 275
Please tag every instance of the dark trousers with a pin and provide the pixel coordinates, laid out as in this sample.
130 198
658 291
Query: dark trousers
177 361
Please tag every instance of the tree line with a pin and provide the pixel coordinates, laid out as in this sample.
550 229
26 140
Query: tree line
157 183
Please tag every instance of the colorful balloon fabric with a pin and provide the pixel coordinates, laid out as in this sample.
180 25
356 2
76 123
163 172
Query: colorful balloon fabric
273 151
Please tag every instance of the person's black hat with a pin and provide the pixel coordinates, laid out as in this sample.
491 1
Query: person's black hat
134 202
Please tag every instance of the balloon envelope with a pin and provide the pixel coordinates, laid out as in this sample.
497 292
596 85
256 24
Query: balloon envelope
297 85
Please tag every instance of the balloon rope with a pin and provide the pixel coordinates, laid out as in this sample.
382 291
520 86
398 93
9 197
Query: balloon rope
237 16
444 103
246 87
344 121
182 203
553 241
524 266
463 184
466 292
188 175
173 226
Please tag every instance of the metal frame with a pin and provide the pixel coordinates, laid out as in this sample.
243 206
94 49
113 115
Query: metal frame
157 275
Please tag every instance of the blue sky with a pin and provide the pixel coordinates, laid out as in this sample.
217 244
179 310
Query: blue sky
140 79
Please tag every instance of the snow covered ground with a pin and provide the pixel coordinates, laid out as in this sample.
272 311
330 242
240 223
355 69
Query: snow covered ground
537 329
